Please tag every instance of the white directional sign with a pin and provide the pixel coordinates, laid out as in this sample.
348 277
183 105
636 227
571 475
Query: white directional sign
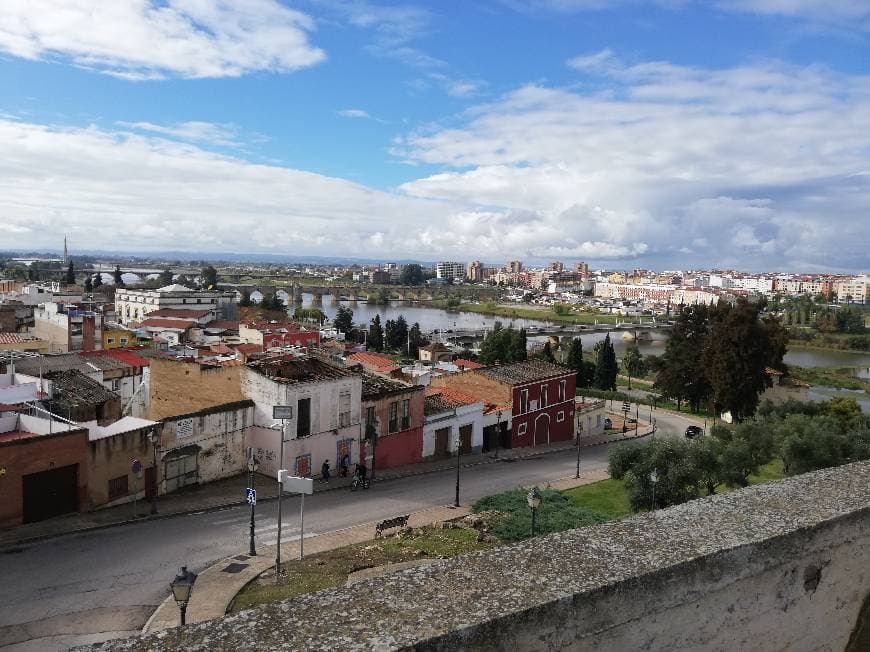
294 484
282 411
251 496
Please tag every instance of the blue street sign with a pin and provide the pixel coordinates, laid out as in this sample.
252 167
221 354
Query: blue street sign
251 496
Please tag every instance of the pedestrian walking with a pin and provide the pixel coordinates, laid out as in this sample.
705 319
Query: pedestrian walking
344 466
324 471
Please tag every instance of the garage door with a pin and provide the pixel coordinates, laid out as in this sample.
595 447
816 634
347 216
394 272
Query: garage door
50 493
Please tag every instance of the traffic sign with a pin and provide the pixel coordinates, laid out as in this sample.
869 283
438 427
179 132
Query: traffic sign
251 496
136 466
626 406
292 484
282 411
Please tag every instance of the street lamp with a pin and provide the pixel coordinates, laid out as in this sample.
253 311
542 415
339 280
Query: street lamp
497 431
654 478
154 437
534 500
579 434
458 445
181 587
252 469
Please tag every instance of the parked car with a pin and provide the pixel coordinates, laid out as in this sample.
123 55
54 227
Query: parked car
607 423
694 431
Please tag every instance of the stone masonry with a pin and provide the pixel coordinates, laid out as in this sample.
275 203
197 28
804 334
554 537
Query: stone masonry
783 565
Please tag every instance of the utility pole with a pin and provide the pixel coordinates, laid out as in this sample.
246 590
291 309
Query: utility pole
580 432
280 496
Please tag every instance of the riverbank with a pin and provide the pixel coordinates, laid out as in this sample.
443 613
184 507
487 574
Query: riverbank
538 313
837 377
812 345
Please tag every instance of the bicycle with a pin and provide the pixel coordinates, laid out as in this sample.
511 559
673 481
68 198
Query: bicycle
358 481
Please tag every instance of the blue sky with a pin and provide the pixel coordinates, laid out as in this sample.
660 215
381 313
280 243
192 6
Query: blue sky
672 134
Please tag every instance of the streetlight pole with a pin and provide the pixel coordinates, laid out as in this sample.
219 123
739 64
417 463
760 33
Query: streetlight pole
280 496
497 431
252 468
155 443
534 500
580 432
654 478
181 587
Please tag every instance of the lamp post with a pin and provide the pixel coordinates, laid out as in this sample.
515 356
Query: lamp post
181 587
458 444
534 500
654 478
497 431
579 433
154 436
252 469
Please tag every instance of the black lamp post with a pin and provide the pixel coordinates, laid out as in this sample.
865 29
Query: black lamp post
534 500
497 430
458 446
654 478
154 436
252 469
181 587
579 434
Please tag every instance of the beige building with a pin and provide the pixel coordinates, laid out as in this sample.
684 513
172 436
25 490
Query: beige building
179 387
135 305
855 290
68 327
23 342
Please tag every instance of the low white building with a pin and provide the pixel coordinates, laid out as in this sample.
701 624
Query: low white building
589 417
135 305
451 419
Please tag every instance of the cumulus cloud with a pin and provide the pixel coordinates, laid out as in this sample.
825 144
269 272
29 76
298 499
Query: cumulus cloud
768 160
147 39
223 135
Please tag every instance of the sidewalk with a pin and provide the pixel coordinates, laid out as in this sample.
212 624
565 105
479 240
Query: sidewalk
230 492
217 586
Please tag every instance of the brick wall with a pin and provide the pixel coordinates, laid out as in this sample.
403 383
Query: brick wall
42 453
183 387
111 457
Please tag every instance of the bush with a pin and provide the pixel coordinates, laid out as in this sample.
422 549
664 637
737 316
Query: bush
556 514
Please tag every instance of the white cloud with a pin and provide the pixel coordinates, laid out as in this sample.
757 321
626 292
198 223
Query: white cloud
823 9
354 113
147 39
767 162
224 135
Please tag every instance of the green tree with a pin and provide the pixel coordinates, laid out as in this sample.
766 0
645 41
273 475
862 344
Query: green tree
343 319
504 345
677 478
89 286
98 279
376 335
70 278
165 278
315 314
606 368
739 349
209 277
547 353
411 275
632 363
416 339
574 360
245 301
117 276
681 374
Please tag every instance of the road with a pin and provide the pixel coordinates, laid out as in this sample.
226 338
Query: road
87 587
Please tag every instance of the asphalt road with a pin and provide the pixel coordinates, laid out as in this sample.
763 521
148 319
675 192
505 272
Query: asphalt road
87 587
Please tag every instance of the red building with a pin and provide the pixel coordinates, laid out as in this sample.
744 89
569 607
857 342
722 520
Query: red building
270 335
392 416
540 395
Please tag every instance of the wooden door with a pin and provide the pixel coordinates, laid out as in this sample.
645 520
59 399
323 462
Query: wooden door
465 439
442 440
542 429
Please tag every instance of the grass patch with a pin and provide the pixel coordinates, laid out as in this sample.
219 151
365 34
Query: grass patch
773 470
605 497
331 568
556 513
829 377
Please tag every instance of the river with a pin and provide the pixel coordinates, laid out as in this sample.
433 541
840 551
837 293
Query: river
431 319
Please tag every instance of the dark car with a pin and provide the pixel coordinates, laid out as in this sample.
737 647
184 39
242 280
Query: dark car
694 431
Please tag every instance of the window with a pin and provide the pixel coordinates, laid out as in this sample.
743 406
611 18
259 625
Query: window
544 390
406 414
110 340
116 385
524 401
562 387
118 487
303 417
560 415
344 409
521 429
371 423
394 416
124 341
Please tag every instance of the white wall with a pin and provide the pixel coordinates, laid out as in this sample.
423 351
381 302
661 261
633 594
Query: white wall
465 414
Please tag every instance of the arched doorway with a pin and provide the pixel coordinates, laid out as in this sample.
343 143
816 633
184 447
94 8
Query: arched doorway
542 429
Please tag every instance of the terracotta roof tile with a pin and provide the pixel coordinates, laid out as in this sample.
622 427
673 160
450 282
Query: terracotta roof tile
174 324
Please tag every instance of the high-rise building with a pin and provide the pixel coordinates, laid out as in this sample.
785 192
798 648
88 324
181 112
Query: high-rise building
514 267
582 269
556 266
449 270
475 272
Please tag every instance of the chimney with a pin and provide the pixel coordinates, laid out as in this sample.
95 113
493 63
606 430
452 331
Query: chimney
88 333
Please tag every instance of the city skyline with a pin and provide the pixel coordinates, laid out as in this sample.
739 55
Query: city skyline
669 135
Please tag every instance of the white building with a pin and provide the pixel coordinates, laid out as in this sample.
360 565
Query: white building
854 290
449 269
451 419
134 305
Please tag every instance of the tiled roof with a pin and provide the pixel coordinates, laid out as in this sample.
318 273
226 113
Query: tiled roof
170 324
377 386
383 363
74 388
444 399
222 324
283 369
247 349
518 373
435 346
178 312
127 357
97 360
17 338
468 364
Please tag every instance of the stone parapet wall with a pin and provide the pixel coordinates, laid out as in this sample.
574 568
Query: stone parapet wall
783 565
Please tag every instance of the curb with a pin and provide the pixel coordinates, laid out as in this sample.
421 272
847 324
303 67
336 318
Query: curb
238 503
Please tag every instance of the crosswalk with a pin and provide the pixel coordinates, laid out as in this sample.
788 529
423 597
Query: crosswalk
265 529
